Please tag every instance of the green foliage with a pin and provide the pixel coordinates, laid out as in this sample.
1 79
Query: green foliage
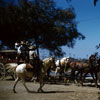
95 1
49 27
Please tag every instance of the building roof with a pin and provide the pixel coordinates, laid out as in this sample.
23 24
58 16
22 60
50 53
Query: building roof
8 51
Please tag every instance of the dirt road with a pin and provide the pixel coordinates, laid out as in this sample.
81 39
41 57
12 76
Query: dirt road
52 92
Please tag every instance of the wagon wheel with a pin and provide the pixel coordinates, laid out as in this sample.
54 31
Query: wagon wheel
2 71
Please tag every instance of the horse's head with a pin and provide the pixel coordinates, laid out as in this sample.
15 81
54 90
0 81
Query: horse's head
49 62
64 61
93 60
93 57
98 61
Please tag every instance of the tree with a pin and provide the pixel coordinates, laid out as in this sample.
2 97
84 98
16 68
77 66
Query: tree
49 27
95 1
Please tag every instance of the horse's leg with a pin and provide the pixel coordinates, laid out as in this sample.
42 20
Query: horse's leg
40 89
92 75
77 76
48 75
60 77
74 76
81 76
95 79
41 85
99 76
96 84
55 75
23 82
16 81
66 79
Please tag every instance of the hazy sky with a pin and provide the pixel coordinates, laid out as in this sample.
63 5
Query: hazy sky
88 17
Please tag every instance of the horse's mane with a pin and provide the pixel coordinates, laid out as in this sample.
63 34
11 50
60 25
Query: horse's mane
46 59
47 63
64 58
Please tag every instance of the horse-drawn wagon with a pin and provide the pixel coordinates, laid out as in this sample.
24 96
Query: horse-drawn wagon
7 57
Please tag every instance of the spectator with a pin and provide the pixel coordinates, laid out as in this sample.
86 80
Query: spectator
18 46
24 52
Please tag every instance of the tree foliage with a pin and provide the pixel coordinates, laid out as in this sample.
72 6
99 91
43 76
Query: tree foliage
95 1
40 20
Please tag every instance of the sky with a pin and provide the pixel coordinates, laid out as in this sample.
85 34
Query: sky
88 18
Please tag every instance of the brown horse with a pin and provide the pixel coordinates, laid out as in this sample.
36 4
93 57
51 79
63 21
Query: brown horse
77 67
92 68
83 68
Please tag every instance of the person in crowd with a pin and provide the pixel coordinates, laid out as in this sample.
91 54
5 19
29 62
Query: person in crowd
24 52
18 46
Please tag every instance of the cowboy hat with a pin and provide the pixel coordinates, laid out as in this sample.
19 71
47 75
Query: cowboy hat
23 42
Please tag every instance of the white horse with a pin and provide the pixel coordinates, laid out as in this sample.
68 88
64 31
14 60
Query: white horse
22 73
60 65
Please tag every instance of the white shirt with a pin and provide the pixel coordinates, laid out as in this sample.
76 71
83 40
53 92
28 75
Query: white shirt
19 50
32 54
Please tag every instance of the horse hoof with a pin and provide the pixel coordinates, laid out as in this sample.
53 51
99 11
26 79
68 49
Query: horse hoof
14 91
40 91
29 91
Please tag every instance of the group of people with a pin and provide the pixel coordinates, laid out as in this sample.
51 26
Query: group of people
26 53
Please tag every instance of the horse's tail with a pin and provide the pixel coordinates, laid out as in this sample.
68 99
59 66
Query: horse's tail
11 67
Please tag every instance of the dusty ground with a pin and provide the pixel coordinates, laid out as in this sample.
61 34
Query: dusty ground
52 92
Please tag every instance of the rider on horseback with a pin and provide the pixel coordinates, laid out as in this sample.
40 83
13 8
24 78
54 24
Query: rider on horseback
34 60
